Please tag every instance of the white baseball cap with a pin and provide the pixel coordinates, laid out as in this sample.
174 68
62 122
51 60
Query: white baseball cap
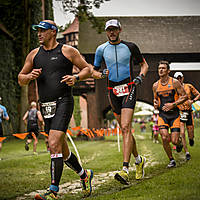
113 22
177 74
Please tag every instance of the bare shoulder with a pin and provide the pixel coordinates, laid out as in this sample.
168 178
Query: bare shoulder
32 54
69 49
69 52
176 83
155 85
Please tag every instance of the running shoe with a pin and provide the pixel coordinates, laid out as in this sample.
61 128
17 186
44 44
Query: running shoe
35 153
187 156
171 164
26 146
179 146
140 168
122 177
49 195
87 183
191 141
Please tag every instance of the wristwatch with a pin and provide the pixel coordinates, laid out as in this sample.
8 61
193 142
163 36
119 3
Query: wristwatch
77 77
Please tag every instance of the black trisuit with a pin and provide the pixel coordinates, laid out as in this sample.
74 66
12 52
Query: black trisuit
54 66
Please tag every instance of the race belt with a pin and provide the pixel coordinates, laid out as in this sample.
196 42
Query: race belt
120 90
48 109
184 115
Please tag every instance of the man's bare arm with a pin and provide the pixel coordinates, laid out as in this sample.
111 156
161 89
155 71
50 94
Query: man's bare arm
155 100
181 92
182 96
28 73
75 57
144 68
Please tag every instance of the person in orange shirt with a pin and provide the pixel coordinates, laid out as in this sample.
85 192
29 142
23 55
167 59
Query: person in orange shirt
186 112
168 93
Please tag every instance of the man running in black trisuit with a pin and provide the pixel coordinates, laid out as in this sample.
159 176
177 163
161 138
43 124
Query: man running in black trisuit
51 64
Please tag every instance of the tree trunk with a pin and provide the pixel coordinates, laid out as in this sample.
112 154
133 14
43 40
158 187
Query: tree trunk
25 51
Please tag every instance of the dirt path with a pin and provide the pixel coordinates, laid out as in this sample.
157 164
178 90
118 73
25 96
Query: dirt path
99 179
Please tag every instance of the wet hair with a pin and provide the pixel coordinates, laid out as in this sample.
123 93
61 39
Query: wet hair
165 63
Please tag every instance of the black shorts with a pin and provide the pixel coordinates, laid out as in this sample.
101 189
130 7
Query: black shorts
32 129
189 119
127 101
1 130
62 117
171 121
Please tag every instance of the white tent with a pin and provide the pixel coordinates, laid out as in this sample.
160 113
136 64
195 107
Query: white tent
143 113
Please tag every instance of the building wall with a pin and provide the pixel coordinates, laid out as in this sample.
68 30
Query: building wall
176 39
174 34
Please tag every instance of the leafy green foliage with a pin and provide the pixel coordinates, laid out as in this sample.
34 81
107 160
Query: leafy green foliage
13 18
82 9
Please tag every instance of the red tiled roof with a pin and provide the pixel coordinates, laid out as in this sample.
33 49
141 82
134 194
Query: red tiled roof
74 27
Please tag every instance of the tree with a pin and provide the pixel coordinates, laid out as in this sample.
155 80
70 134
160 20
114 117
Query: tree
82 9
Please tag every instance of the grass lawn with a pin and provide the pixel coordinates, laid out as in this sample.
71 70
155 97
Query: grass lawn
21 172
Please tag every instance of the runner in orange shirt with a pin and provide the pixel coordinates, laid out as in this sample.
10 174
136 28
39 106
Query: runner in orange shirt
186 112
168 93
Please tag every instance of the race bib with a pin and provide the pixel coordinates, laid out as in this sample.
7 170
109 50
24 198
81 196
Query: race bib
121 90
48 109
184 116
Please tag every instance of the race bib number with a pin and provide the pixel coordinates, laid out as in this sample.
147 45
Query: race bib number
48 109
121 90
184 116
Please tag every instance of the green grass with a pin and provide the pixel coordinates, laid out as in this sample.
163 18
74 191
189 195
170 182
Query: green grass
22 173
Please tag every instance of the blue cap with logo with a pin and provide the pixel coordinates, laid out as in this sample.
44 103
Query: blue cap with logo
44 25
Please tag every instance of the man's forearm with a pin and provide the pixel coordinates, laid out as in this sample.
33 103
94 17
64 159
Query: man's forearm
180 100
84 73
144 68
23 79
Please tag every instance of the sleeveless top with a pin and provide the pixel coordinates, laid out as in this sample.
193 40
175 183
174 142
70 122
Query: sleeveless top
54 66
32 116
167 94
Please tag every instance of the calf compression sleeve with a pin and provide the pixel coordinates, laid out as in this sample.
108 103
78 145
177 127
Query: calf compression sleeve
72 162
56 170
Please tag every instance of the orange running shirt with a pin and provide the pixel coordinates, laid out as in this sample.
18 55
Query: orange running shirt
190 90
167 94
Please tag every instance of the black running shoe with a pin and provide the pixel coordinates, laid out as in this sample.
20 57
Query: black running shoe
187 156
171 164
26 146
191 141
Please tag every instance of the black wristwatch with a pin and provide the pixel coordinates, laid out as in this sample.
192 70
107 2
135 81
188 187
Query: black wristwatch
77 77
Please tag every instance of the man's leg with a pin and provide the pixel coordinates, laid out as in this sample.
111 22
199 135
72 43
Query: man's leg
166 138
28 141
72 162
129 146
190 130
122 176
55 143
182 133
35 143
